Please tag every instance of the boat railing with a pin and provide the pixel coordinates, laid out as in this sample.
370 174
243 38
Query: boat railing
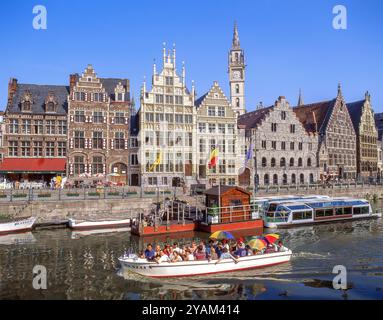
231 214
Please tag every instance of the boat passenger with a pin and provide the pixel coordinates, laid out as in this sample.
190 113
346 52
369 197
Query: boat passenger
176 248
167 250
163 257
218 250
249 252
225 244
158 251
213 254
193 247
202 243
141 255
257 252
241 251
226 255
281 247
149 252
199 254
189 255
176 257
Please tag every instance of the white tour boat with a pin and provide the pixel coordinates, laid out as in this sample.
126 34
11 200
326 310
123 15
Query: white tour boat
17 225
201 267
98 224
287 214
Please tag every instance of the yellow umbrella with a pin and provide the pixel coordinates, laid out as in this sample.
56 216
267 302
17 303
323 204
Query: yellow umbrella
258 244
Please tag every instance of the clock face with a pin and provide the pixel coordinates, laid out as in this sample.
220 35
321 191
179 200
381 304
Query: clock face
237 74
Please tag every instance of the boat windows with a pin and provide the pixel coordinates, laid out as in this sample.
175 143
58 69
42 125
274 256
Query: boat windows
343 211
323 213
361 210
304 215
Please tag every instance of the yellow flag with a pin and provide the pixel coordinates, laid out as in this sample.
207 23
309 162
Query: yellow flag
155 163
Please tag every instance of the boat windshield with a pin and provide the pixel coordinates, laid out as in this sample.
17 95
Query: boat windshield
281 214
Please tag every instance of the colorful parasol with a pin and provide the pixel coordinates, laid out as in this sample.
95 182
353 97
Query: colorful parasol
220 235
258 244
271 237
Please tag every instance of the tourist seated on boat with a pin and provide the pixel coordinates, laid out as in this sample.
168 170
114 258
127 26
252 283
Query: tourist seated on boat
249 252
167 250
163 257
257 252
149 252
193 247
158 251
225 244
202 244
213 254
226 255
176 257
177 248
241 251
141 255
218 249
189 256
269 249
280 247
199 254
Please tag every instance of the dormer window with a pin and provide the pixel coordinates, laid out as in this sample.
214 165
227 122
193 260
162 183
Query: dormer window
120 97
89 79
50 107
26 106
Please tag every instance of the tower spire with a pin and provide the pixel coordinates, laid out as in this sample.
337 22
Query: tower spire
339 90
300 99
236 43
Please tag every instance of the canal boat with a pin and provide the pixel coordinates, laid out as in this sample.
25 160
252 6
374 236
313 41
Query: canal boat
287 214
201 267
77 224
21 224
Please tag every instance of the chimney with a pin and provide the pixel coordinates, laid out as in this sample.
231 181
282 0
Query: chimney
72 80
12 88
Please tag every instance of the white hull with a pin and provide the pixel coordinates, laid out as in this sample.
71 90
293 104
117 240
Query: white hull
195 268
99 224
275 225
82 233
17 225
17 238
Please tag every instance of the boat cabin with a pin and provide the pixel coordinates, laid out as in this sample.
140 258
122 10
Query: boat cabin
228 203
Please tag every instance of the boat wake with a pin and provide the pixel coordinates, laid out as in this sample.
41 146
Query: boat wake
310 255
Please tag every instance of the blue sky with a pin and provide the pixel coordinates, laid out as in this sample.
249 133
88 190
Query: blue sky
288 44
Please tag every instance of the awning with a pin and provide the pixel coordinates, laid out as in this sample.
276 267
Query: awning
32 165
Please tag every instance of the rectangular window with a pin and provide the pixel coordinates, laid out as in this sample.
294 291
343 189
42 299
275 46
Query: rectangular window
273 127
264 144
230 129
61 149
80 96
50 126
221 128
159 117
292 146
169 81
159 98
211 127
98 117
14 126
79 116
98 97
133 142
26 127
231 166
134 159
300 146
97 140
292 128
79 139
169 99
202 146
119 140
179 118
62 127
97 165
283 145
149 117
13 148
188 118
50 149
37 148
231 146
25 148
202 127
211 111
274 145
221 111
179 99
169 118
78 165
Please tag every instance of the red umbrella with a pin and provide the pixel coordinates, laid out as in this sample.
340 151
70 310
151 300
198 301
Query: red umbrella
272 237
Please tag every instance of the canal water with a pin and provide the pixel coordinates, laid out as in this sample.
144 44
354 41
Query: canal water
81 265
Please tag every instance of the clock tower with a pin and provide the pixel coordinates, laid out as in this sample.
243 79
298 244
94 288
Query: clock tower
237 74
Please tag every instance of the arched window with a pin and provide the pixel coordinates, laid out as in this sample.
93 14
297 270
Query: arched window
236 57
275 179
273 162
264 162
293 179
311 178
300 162
266 180
283 162
309 162
285 179
237 88
291 162
302 178
237 102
